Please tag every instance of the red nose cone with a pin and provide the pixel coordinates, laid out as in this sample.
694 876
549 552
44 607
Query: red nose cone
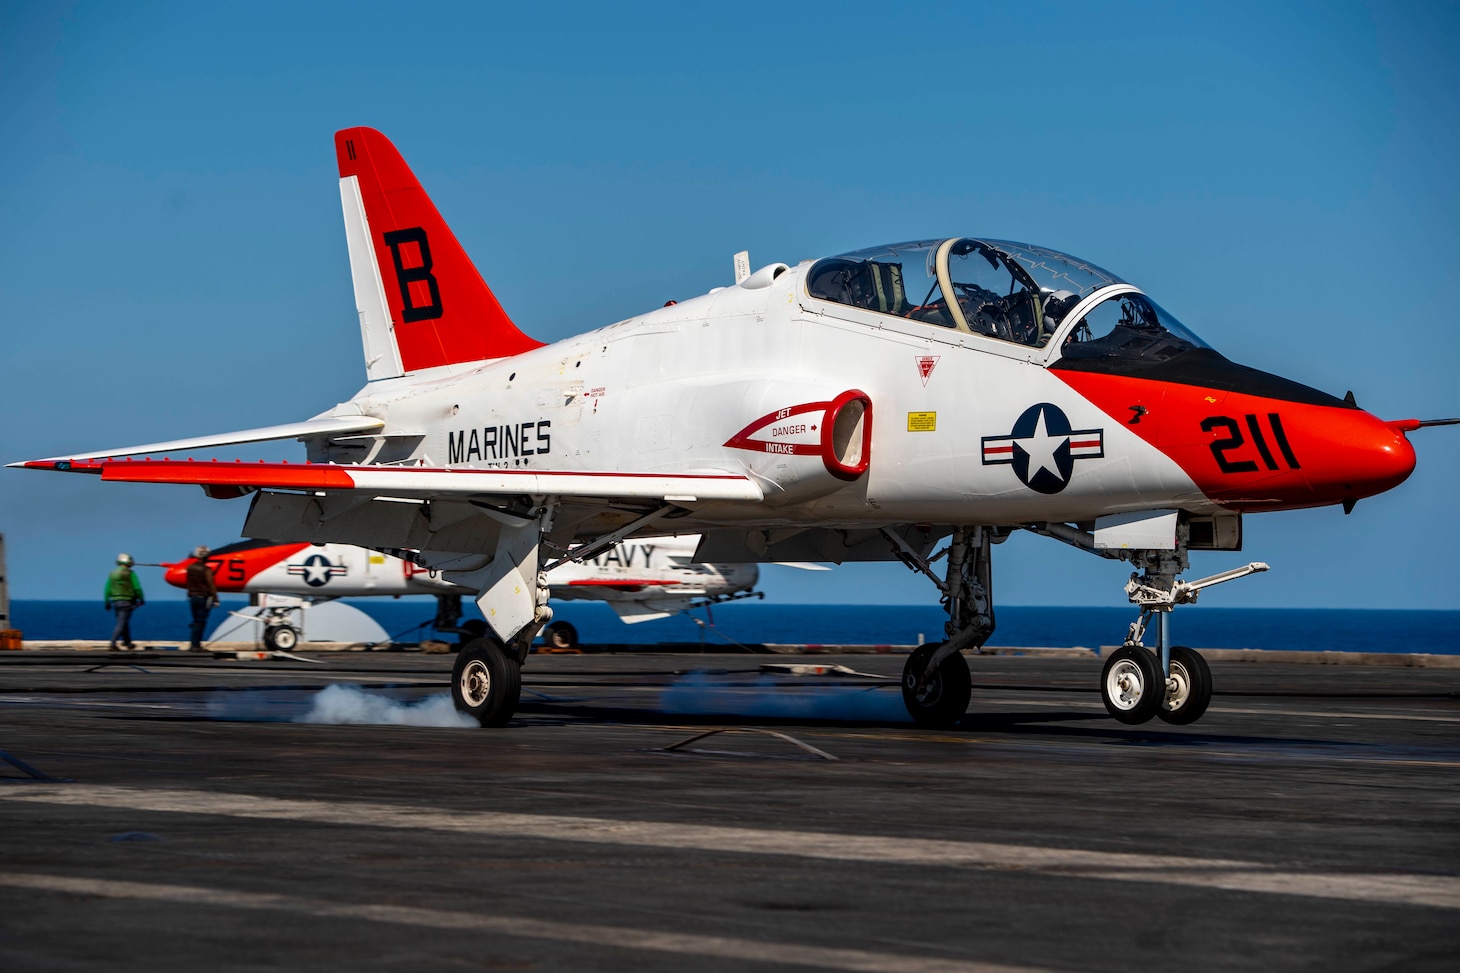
1388 461
1365 456
177 574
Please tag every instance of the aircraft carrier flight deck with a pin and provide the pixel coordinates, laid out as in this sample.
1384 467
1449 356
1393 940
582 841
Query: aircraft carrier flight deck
718 812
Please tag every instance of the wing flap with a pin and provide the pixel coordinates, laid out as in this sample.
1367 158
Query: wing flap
420 483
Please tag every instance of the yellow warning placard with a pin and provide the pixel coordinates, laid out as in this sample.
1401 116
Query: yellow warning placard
922 422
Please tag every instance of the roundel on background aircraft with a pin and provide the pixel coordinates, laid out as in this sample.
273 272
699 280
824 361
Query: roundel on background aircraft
317 569
838 430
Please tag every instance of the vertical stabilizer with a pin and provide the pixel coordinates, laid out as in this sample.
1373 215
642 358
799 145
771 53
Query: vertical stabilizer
421 301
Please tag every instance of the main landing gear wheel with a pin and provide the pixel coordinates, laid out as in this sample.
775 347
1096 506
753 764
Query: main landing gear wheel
1188 699
560 637
1131 685
486 682
281 638
941 701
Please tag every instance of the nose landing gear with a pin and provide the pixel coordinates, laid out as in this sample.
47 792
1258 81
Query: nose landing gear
1171 682
1135 685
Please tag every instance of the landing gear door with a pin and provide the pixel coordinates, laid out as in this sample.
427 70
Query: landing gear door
1142 530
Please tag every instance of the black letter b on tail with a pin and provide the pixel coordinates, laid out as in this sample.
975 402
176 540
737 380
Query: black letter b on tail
420 273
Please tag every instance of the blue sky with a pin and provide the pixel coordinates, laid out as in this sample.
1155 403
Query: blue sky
1279 176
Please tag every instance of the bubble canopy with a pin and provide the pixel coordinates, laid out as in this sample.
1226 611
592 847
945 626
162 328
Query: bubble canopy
1014 292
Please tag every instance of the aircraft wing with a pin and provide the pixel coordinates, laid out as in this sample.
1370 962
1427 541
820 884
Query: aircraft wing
326 426
237 478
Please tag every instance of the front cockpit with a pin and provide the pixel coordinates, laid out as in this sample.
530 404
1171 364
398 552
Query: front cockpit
1039 304
966 285
1012 292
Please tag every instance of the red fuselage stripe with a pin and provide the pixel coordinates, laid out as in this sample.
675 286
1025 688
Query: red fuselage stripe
619 583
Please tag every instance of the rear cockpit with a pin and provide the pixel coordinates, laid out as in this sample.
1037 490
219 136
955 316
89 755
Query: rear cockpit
1012 292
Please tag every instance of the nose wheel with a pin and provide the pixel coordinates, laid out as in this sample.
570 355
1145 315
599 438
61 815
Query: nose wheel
281 638
1130 684
1188 688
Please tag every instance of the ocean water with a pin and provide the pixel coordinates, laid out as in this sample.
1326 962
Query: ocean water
1304 629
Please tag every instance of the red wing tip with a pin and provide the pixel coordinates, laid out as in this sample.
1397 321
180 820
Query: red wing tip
62 465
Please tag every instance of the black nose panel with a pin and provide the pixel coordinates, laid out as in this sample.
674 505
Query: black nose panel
1206 368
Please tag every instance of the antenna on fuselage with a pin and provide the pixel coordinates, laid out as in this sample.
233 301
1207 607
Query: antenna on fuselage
742 266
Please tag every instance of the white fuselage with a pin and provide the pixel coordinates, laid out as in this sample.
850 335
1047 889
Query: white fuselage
667 390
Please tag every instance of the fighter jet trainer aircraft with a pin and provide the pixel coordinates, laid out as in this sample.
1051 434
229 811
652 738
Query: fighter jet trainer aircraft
916 401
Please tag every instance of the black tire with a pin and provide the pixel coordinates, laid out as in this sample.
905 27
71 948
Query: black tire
486 682
943 699
560 636
1131 685
1193 688
281 638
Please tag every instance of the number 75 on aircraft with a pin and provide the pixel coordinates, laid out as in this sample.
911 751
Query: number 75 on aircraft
914 401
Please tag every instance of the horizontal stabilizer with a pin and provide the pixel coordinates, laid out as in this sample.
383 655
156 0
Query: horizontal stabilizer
419 483
328 426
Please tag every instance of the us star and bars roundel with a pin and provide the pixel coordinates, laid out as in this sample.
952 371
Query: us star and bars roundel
317 570
1043 448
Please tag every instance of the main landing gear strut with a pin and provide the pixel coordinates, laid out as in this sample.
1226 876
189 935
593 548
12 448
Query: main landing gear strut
1137 683
486 682
935 681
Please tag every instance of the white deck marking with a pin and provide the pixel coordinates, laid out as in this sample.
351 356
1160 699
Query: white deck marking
1336 714
744 950
1322 714
1442 891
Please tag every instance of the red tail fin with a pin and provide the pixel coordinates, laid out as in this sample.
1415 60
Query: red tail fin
421 300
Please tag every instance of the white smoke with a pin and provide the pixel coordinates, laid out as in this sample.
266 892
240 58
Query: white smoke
351 704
